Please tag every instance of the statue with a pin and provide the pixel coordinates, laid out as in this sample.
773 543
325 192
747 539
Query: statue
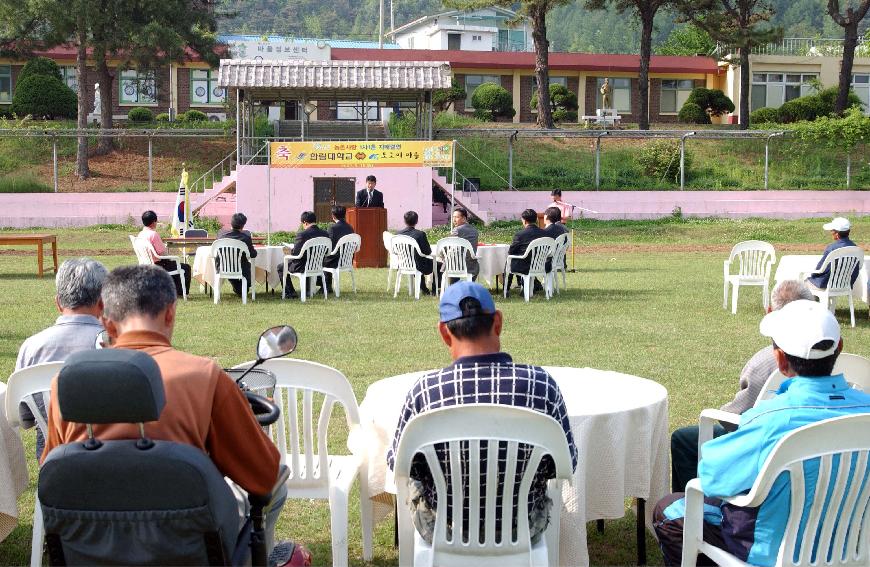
98 104
605 94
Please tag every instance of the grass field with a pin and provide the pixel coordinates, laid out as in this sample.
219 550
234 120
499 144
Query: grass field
646 300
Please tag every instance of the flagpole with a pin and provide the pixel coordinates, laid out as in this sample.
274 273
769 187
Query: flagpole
269 193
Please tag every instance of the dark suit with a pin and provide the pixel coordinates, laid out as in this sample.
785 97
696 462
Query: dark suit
243 236
336 231
521 241
362 200
295 266
555 230
424 265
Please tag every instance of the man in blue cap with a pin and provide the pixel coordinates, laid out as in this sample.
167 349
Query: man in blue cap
471 327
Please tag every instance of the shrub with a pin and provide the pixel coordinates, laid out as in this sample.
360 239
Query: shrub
140 114
42 96
764 115
442 99
563 115
814 106
162 117
195 116
402 125
491 101
40 66
713 101
692 113
560 98
661 159
180 117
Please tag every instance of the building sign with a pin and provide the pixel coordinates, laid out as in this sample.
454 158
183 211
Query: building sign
363 154
282 50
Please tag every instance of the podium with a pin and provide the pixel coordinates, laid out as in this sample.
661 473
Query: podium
370 224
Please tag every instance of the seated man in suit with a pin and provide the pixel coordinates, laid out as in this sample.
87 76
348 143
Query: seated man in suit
370 197
238 232
463 229
424 265
309 230
149 233
553 222
338 229
521 241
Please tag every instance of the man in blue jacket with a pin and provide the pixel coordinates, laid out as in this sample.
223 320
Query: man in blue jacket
806 343
839 228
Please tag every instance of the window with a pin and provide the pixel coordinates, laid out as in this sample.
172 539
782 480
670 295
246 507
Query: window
674 94
138 88
411 42
5 84
620 94
204 87
474 81
774 89
69 77
861 86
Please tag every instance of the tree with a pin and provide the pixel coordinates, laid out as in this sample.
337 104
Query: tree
536 11
848 20
687 40
142 35
645 11
443 99
741 24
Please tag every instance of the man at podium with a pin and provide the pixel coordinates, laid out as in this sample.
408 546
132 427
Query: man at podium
370 197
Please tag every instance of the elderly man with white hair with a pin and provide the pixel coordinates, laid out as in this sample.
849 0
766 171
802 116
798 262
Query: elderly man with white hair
79 282
684 441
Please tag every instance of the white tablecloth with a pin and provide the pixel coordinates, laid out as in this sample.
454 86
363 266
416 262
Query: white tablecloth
265 264
620 427
13 472
797 266
491 259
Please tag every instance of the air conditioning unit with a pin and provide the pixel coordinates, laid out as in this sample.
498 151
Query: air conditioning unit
216 116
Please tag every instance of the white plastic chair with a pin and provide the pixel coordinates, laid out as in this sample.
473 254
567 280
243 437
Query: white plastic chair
855 368
845 438
537 251
481 426
226 258
387 237
841 262
20 388
406 248
146 256
560 250
454 253
346 247
301 441
754 258
314 251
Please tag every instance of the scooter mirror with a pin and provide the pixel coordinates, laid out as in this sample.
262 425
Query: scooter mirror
103 340
277 341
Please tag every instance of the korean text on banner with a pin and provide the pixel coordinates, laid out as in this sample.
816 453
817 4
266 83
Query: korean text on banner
363 154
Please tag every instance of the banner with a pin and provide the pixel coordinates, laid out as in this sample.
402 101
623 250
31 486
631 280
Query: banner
381 153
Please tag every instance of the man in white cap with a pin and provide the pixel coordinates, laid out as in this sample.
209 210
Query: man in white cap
839 228
806 343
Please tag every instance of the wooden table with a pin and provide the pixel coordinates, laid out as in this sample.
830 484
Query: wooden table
39 239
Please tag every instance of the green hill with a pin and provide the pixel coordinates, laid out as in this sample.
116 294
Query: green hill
571 28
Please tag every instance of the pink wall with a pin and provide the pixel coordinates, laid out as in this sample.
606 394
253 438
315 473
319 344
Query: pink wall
411 189
502 205
404 188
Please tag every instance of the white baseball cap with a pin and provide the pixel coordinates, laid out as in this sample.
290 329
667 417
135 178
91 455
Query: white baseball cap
799 325
839 224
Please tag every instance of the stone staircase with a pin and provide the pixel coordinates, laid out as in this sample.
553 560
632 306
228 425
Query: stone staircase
467 199
330 130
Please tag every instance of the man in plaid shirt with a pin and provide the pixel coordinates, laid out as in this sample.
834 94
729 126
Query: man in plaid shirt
480 374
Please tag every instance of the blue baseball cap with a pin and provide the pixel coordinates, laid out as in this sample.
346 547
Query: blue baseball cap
454 294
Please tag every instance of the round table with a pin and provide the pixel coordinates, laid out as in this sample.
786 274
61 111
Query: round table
492 258
265 265
620 427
